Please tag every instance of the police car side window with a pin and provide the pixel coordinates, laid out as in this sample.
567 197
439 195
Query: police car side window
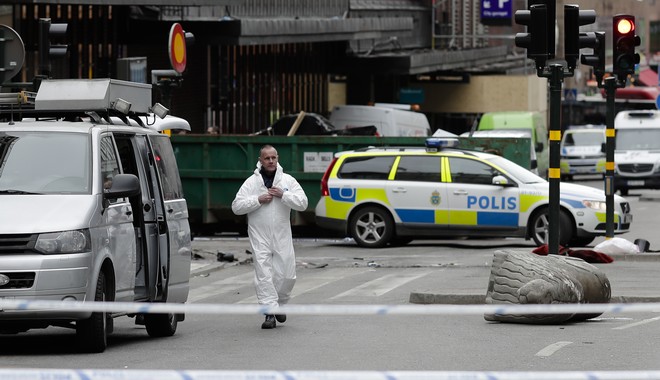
416 168
366 167
471 171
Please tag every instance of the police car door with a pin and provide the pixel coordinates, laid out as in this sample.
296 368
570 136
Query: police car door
475 204
417 193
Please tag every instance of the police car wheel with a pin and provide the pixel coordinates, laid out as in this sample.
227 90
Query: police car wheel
539 227
372 227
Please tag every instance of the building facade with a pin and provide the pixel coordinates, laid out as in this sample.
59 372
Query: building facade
255 60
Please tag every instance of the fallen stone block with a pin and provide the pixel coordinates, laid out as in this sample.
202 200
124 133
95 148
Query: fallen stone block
526 278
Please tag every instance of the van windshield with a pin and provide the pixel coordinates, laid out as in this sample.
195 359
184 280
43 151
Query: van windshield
44 163
638 139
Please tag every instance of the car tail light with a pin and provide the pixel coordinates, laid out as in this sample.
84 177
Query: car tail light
324 181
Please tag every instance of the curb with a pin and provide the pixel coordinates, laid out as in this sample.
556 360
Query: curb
479 299
641 257
649 198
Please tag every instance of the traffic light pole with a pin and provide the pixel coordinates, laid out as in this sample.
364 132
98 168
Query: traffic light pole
554 174
610 85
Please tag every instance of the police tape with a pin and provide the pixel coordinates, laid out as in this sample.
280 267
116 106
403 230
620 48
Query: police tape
97 374
9 305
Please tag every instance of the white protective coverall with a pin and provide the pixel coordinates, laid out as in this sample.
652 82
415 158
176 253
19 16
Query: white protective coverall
269 230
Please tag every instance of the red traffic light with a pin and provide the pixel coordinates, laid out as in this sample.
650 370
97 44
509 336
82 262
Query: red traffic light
625 26
624 42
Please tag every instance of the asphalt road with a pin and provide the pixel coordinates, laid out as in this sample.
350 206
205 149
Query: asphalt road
337 272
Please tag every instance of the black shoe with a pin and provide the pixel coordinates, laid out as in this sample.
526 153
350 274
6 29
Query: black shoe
281 318
269 323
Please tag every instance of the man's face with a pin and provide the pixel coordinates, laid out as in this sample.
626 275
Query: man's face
268 159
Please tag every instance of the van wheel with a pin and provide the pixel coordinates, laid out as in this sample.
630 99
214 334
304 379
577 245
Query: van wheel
159 325
372 227
539 227
92 333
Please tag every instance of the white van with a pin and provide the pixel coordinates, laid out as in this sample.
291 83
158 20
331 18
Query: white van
92 208
637 152
389 121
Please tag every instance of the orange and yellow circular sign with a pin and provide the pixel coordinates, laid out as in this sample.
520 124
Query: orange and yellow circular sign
177 48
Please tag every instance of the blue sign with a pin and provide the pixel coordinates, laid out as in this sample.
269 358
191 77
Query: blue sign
496 12
411 95
657 102
570 94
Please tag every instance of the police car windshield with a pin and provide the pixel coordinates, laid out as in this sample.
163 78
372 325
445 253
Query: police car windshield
596 138
44 163
516 171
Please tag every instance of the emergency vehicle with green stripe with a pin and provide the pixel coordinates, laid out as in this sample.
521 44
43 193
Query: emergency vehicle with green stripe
394 195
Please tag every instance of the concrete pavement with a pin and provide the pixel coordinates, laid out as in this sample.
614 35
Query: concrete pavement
633 277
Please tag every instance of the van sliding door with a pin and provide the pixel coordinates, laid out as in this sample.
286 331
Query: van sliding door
173 223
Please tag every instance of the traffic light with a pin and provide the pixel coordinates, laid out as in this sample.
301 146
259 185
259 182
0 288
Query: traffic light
597 59
573 39
550 6
536 40
624 43
47 50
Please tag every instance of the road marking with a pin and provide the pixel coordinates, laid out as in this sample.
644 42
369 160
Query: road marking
223 286
309 283
635 324
551 349
381 285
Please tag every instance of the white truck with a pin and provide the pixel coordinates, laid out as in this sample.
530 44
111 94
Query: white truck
637 152
389 120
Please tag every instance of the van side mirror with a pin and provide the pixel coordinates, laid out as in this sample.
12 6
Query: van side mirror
123 185
603 148
534 164
539 147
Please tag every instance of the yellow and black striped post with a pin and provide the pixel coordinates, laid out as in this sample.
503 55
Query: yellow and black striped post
554 173
610 85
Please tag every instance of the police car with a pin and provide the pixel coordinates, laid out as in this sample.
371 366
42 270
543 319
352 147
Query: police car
582 150
383 196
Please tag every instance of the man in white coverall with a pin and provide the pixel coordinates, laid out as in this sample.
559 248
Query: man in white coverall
267 198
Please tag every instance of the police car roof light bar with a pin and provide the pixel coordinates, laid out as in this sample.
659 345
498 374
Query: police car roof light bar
434 144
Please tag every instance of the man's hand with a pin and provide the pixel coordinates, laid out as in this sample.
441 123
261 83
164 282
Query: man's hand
276 192
265 198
